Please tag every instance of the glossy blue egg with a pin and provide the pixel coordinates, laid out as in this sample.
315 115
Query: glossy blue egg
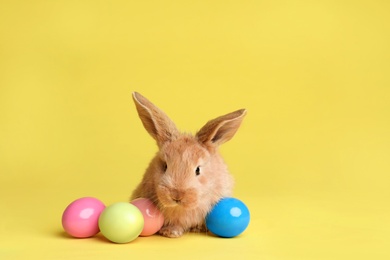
228 218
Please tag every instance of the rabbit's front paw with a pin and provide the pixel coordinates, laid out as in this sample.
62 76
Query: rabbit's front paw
171 231
199 228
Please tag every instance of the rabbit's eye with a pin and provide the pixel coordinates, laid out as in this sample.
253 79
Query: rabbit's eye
197 171
165 166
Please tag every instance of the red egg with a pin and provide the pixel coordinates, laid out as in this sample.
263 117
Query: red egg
153 218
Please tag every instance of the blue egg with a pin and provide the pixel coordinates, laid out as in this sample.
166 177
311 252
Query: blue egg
228 218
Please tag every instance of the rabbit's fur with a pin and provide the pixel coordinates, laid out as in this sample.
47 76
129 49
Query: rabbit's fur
187 176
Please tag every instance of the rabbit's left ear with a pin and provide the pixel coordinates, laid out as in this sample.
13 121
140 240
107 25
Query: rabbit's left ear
155 121
221 129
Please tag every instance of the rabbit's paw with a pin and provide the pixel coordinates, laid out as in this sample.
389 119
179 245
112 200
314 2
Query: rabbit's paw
199 228
171 231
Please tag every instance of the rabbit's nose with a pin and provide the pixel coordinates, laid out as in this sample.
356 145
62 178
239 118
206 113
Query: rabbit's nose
177 196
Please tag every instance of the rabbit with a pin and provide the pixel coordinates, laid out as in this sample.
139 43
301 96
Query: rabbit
187 176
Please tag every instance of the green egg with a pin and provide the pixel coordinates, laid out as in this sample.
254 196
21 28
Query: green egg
121 222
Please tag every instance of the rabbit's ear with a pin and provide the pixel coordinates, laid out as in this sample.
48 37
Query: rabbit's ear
155 121
221 129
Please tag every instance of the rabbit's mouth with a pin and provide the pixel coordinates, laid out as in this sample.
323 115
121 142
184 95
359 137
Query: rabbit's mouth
180 205
186 199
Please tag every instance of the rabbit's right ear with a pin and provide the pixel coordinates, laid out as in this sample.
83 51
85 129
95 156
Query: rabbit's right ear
221 129
155 121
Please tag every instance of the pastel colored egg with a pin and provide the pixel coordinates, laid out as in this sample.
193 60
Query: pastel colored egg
153 218
80 218
121 222
228 218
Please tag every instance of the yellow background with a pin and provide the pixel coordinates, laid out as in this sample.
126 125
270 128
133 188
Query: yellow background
311 160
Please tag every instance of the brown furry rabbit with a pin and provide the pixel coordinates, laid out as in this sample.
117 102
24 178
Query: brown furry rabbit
187 176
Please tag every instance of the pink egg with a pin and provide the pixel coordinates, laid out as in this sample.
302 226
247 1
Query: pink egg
80 218
153 218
